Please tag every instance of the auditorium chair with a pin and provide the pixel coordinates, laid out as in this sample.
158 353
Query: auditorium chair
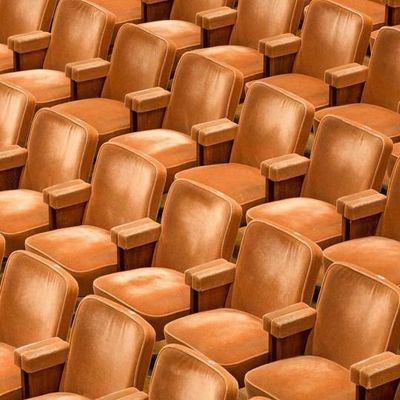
276 268
273 123
126 186
22 16
37 301
60 149
199 224
181 373
81 30
254 20
108 351
344 349
332 35
203 90
378 87
16 114
346 158
140 61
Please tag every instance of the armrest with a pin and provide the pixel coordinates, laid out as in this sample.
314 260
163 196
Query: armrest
88 70
67 194
216 18
155 10
126 394
12 156
279 46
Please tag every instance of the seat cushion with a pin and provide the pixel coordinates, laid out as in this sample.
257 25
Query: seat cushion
6 59
110 117
234 339
300 378
159 295
243 183
124 10
49 87
22 214
10 377
376 117
86 252
315 219
61 396
378 254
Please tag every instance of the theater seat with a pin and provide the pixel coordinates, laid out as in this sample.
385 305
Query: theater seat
198 225
60 149
276 268
109 350
346 158
83 244
343 349
37 301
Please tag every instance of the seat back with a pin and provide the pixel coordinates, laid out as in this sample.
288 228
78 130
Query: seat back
16 113
110 349
199 224
140 60
273 123
126 185
383 84
203 90
181 373
186 10
332 35
259 19
357 316
22 16
37 300
81 30
276 268
346 158
60 148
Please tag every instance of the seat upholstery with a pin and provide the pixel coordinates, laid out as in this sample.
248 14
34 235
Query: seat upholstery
37 301
335 343
65 144
346 158
108 114
234 336
198 225
86 251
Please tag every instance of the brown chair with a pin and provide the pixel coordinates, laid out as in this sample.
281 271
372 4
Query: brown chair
109 350
60 149
346 158
129 71
376 103
37 301
341 350
126 186
276 268
198 225
22 16
203 90
332 35
180 371
81 30
273 123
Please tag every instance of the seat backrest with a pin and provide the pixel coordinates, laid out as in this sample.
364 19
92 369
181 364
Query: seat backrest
383 84
181 373
203 90
127 185
60 148
260 19
357 316
16 113
140 60
199 224
273 123
81 30
37 300
110 349
185 10
22 16
346 158
332 35
276 268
